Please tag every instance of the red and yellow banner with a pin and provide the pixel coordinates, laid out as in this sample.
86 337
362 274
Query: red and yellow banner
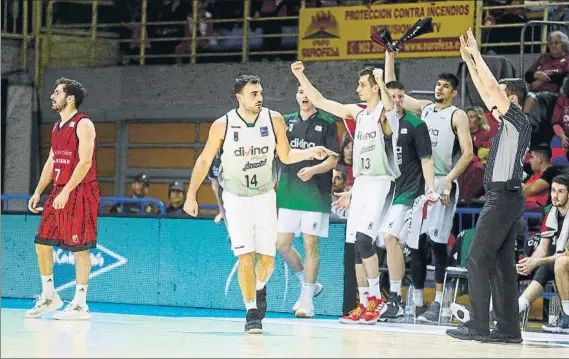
343 32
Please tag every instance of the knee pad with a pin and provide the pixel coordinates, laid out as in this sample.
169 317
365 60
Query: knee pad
364 244
441 261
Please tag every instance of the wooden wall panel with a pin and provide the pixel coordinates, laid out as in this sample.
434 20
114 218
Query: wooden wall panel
106 161
161 157
162 132
107 189
204 131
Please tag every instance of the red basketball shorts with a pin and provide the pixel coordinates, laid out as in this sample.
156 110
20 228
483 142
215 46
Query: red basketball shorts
74 227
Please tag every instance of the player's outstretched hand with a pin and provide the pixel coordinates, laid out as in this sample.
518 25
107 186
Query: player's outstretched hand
297 68
217 220
191 207
33 202
445 195
343 201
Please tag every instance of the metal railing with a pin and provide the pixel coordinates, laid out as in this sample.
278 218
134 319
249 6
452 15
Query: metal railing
40 35
480 18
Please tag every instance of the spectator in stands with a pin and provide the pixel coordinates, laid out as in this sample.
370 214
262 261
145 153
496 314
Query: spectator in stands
140 190
176 197
551 258
339 181
537 187
550 69
560 119
346 158
470 182
168 10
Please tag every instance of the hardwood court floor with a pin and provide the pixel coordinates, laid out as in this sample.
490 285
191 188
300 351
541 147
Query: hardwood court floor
128 335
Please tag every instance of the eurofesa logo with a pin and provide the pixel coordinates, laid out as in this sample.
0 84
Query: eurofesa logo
102 261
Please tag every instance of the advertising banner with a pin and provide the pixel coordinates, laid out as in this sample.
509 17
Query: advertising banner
343 32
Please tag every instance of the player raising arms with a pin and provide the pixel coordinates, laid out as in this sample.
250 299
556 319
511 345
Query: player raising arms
375 169
249 137
69 218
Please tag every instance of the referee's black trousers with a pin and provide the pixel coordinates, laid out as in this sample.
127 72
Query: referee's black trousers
491 263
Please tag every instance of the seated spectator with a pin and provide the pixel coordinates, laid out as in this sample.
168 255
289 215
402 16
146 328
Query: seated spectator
470 182
140 190
167 10
346 158
549 70
536 188
551 258
176 197
339 180
560 119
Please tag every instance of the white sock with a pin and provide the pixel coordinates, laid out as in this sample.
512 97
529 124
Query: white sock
523 303
439 297
48 289
80 295
395 286
251 305
364 293
374 287
418 297
565 306
260 285
300 276
308 290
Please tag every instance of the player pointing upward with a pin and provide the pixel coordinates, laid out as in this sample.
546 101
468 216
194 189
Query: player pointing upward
375 169
249 137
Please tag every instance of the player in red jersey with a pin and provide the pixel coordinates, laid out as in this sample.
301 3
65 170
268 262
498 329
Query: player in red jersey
69 218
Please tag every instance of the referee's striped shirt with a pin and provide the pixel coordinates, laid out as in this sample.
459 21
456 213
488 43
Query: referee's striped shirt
509 147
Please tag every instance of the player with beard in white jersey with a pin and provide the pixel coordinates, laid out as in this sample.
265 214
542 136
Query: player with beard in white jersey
249 137
452 152
375 169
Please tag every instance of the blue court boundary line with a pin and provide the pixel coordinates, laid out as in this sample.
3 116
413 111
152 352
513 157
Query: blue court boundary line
155 310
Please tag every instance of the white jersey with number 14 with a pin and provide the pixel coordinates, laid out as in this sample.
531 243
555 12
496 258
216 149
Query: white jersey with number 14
248 153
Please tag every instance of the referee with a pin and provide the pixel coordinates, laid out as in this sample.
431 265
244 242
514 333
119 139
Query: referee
491 262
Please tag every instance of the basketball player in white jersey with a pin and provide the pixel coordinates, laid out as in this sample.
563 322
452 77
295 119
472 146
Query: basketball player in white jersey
452 152
249 137
375 169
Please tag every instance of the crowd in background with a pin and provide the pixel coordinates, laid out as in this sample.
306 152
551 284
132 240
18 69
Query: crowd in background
127 14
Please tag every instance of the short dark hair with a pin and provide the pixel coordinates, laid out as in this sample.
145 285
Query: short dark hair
395 85
73 88
562 179
516 86
447 76
543 150
368 71
243 80
343 171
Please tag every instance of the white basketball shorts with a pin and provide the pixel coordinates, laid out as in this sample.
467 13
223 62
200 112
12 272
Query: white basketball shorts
252 222
395 222
371 198
297 222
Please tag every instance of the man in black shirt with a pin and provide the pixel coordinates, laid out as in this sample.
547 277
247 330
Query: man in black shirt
176 196
491 266
140 190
